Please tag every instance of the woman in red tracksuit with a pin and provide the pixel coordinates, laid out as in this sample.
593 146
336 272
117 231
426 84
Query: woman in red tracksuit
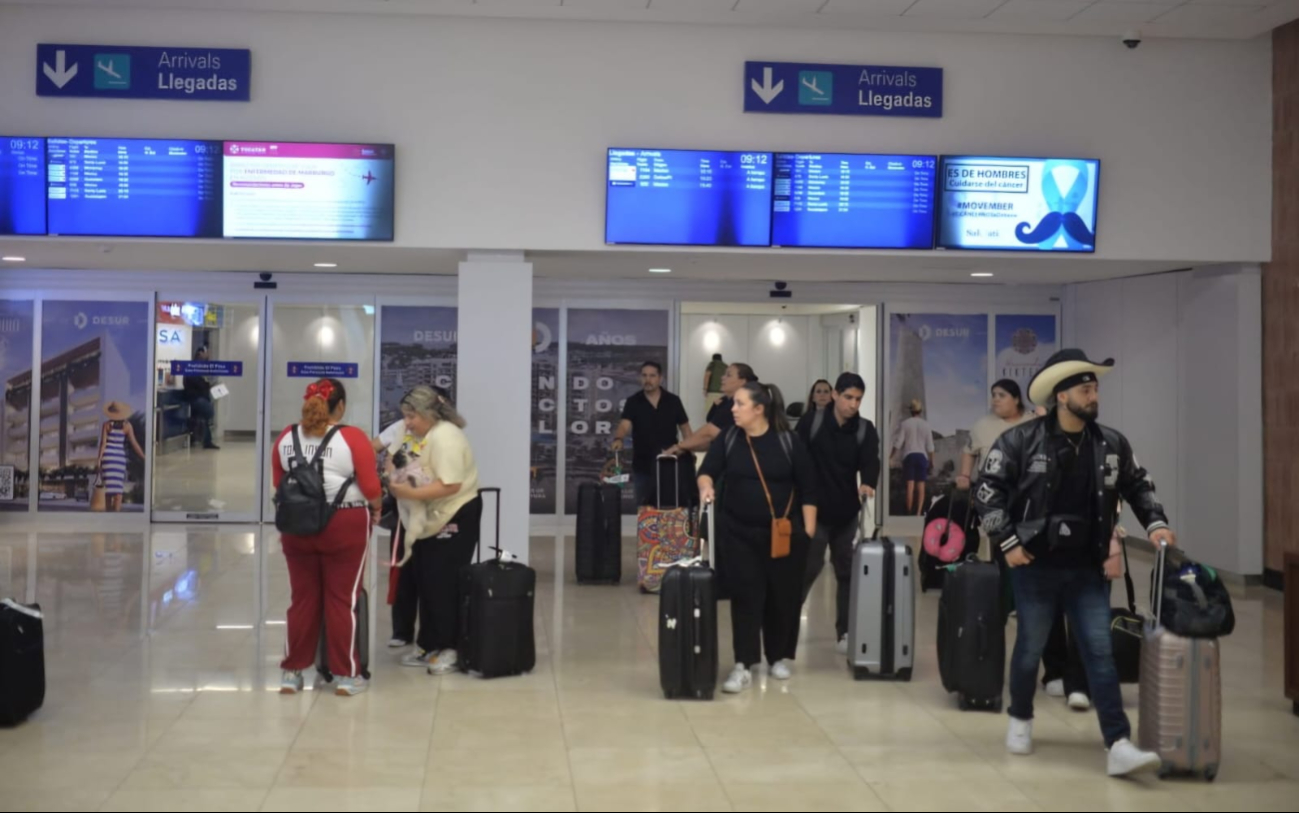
325 570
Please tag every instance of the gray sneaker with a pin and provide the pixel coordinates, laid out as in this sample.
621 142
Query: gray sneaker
350 687
291 682
419 659
447 661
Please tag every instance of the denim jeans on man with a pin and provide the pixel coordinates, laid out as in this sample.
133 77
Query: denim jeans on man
202 411
1084 594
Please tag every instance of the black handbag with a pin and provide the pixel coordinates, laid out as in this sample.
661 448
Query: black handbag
388 517
1196 603
1126 630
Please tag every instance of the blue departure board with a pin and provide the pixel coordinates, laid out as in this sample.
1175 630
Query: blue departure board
688 198
841 200
22 185
134 187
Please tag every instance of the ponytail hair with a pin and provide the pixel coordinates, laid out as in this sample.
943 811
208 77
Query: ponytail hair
769 397
319 404
433 406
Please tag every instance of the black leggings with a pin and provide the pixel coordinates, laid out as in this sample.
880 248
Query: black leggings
437 561
766 593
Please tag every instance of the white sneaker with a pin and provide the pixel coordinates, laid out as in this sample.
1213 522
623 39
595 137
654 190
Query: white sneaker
351 686
448 661
419 659
398 643
291 682
1128 760
1055 688
781 670
1080 702
739 680
1019 738
842 646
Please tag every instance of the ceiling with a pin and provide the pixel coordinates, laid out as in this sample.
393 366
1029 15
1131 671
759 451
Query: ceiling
1206 19
632 264
763 309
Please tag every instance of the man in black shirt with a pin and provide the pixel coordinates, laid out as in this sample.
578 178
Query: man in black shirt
198 391
653 416
846 450
1048 496
720 417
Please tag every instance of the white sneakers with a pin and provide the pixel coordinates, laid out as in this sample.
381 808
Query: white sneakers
1128 760
1055 688
1079 701
447 661
291 682
740 680
1125 758
419 659
781 670
1019 737
350 686
842 646
398 643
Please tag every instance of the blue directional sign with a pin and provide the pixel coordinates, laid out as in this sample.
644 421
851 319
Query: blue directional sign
842 90
128 72
323 369
228 369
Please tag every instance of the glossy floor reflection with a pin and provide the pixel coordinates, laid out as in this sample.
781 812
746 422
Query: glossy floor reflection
162 653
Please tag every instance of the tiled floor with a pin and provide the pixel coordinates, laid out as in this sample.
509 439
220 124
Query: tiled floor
162 655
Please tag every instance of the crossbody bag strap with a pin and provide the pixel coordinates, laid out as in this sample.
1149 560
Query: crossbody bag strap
771 505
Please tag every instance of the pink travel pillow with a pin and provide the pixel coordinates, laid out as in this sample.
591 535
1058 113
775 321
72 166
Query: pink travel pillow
955 546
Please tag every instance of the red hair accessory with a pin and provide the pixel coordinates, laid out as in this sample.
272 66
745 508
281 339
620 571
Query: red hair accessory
321 389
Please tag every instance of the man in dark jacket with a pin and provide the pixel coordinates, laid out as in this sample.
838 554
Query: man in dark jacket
846 450
1047 497
198 391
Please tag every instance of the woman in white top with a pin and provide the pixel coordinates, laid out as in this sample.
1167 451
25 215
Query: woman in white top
442 513
1008 410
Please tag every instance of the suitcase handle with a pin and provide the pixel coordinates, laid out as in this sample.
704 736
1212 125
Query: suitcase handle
658 479
1157 583
497 547
867 508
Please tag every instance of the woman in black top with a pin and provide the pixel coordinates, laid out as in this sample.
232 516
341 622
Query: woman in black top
765 591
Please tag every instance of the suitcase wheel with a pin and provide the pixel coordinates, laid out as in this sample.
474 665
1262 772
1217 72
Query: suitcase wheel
904 675
996 706
964 703
861 673
1210 773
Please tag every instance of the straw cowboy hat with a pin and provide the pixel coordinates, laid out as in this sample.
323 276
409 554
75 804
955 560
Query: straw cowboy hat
117 410
1064 371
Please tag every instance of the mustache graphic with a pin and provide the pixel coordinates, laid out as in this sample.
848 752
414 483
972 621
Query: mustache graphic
1070 222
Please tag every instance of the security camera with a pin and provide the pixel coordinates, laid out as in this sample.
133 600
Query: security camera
1132 39
781 291
265 276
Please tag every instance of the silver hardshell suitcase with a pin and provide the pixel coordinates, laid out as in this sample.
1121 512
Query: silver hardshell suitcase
882 609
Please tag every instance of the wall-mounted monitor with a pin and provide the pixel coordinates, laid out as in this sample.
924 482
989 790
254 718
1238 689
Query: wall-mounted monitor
309 191
688 198
1018 204
843 200
134 187
22 185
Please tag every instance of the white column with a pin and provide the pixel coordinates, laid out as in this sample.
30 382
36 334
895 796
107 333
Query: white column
494 385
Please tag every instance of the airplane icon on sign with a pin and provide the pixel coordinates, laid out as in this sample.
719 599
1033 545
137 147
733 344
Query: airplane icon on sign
368 177
108 69
813 85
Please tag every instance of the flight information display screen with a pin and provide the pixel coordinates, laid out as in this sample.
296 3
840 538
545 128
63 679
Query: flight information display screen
309 191
688 198
134 187
844 200
22 185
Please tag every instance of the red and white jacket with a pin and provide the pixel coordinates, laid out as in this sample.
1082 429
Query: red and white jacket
349 454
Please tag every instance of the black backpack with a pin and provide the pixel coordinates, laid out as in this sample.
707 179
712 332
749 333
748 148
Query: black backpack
300 505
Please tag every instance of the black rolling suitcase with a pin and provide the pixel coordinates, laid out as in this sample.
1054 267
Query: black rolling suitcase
362 614
972 635
496 610
688 628
22 661
599 534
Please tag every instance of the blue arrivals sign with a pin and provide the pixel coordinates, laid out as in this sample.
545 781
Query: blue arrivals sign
842 90
229 369
323 369
127 72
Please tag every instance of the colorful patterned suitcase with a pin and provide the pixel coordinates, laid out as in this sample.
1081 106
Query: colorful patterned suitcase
663 536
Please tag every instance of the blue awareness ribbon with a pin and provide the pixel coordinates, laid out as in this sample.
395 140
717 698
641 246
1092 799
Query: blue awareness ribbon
1063 218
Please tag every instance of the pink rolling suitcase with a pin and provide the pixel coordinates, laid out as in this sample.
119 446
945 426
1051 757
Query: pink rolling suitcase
1181 694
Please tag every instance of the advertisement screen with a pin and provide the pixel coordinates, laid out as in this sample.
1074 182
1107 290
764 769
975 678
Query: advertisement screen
1018 204
134 187
688 198
22 185
304 191
837 200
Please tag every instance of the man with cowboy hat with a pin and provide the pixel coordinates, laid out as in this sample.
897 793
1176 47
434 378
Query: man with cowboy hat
1047 496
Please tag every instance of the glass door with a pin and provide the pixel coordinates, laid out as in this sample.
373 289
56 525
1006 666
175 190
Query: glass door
208 408
312 339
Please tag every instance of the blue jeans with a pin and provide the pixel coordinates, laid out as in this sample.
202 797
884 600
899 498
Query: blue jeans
1084 595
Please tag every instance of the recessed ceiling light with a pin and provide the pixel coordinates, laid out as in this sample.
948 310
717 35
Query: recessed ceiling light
14 259
660 270
982 274
326 265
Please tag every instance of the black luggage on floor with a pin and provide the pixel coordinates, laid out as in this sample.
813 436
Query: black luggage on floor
599 534
972 635
362 615
688 629
496 610
22 661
